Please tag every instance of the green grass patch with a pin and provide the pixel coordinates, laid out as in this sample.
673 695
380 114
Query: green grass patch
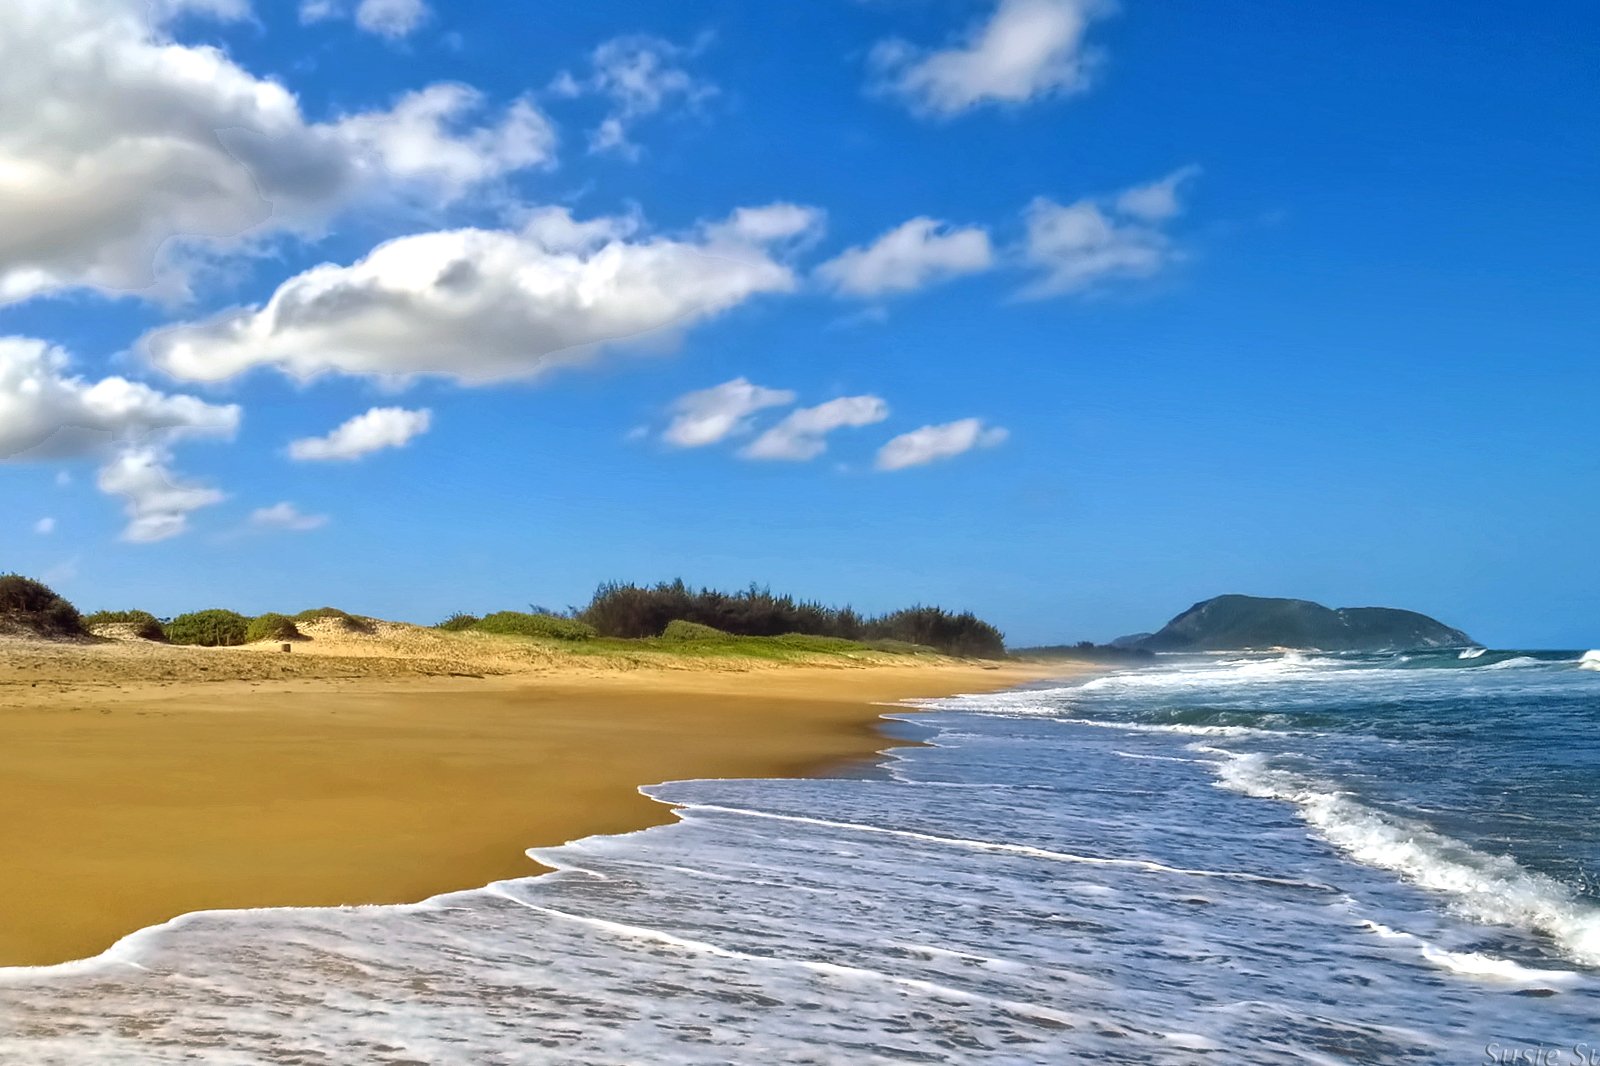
458 623
547 626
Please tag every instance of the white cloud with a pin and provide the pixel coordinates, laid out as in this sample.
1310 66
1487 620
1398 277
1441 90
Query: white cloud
1157 201
1080 244
285 517
421 140
491 305
391 19
379 428
715 414
1026 49
640 76
47 413
45 526
156 501
914 254
933 443
124 153
803 434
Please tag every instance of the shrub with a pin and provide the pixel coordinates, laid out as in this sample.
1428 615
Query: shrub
458 622
346 621
954 634
28 605
679 629
271 627
210 629
549 626
145 625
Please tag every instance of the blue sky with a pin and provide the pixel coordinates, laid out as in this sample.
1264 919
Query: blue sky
1068 314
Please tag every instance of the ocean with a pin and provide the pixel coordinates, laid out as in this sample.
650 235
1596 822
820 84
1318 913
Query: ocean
1251 859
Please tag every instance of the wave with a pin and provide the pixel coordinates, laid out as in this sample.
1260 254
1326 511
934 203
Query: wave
1490 889
1472 653
1590 660
1472 963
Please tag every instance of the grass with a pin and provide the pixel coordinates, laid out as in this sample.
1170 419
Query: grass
350 623
518 624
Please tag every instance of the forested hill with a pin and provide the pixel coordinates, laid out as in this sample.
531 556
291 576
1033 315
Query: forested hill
1238 622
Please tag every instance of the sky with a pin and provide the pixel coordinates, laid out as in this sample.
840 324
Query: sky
1067 312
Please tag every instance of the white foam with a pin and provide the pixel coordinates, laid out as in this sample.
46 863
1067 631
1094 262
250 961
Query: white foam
1474 963
1472 653
1590 660
1484 888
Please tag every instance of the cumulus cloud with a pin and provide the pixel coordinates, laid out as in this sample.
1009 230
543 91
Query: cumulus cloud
933 443
715 414
46 412
1079 244
639 76
284 518
1027 49
115 140
910 256
156 500
493 305
378 429
803 434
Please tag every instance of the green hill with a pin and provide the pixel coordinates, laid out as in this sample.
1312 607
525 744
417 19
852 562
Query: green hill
1227 623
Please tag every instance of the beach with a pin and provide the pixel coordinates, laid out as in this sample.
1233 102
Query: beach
145 781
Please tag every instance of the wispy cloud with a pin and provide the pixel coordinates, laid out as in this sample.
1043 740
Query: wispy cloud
932 444
1027 49
910 256
803 434
709 416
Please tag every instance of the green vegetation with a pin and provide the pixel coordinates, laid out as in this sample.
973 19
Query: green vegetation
633 612
458 623
146 625
679 629
518 624
209 629
349 622
1229 623
30 607
271 626
1086 651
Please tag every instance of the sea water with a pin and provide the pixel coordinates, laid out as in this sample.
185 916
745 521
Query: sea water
1371 859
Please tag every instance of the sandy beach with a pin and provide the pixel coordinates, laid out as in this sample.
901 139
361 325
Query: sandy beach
142 781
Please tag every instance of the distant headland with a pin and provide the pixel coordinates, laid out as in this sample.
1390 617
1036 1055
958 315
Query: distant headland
1228 623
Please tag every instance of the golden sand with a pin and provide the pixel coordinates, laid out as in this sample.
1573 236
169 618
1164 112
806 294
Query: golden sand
133 790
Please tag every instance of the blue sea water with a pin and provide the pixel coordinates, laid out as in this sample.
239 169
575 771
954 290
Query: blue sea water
1289 858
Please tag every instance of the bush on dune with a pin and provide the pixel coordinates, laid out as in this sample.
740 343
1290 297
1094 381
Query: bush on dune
33 607
146 626
458 622
549 626
679 629
343 619
209 629
271 627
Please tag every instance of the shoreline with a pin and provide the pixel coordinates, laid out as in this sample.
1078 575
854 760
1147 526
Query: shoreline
146 799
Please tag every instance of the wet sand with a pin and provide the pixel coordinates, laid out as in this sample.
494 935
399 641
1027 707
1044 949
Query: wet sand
124 803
